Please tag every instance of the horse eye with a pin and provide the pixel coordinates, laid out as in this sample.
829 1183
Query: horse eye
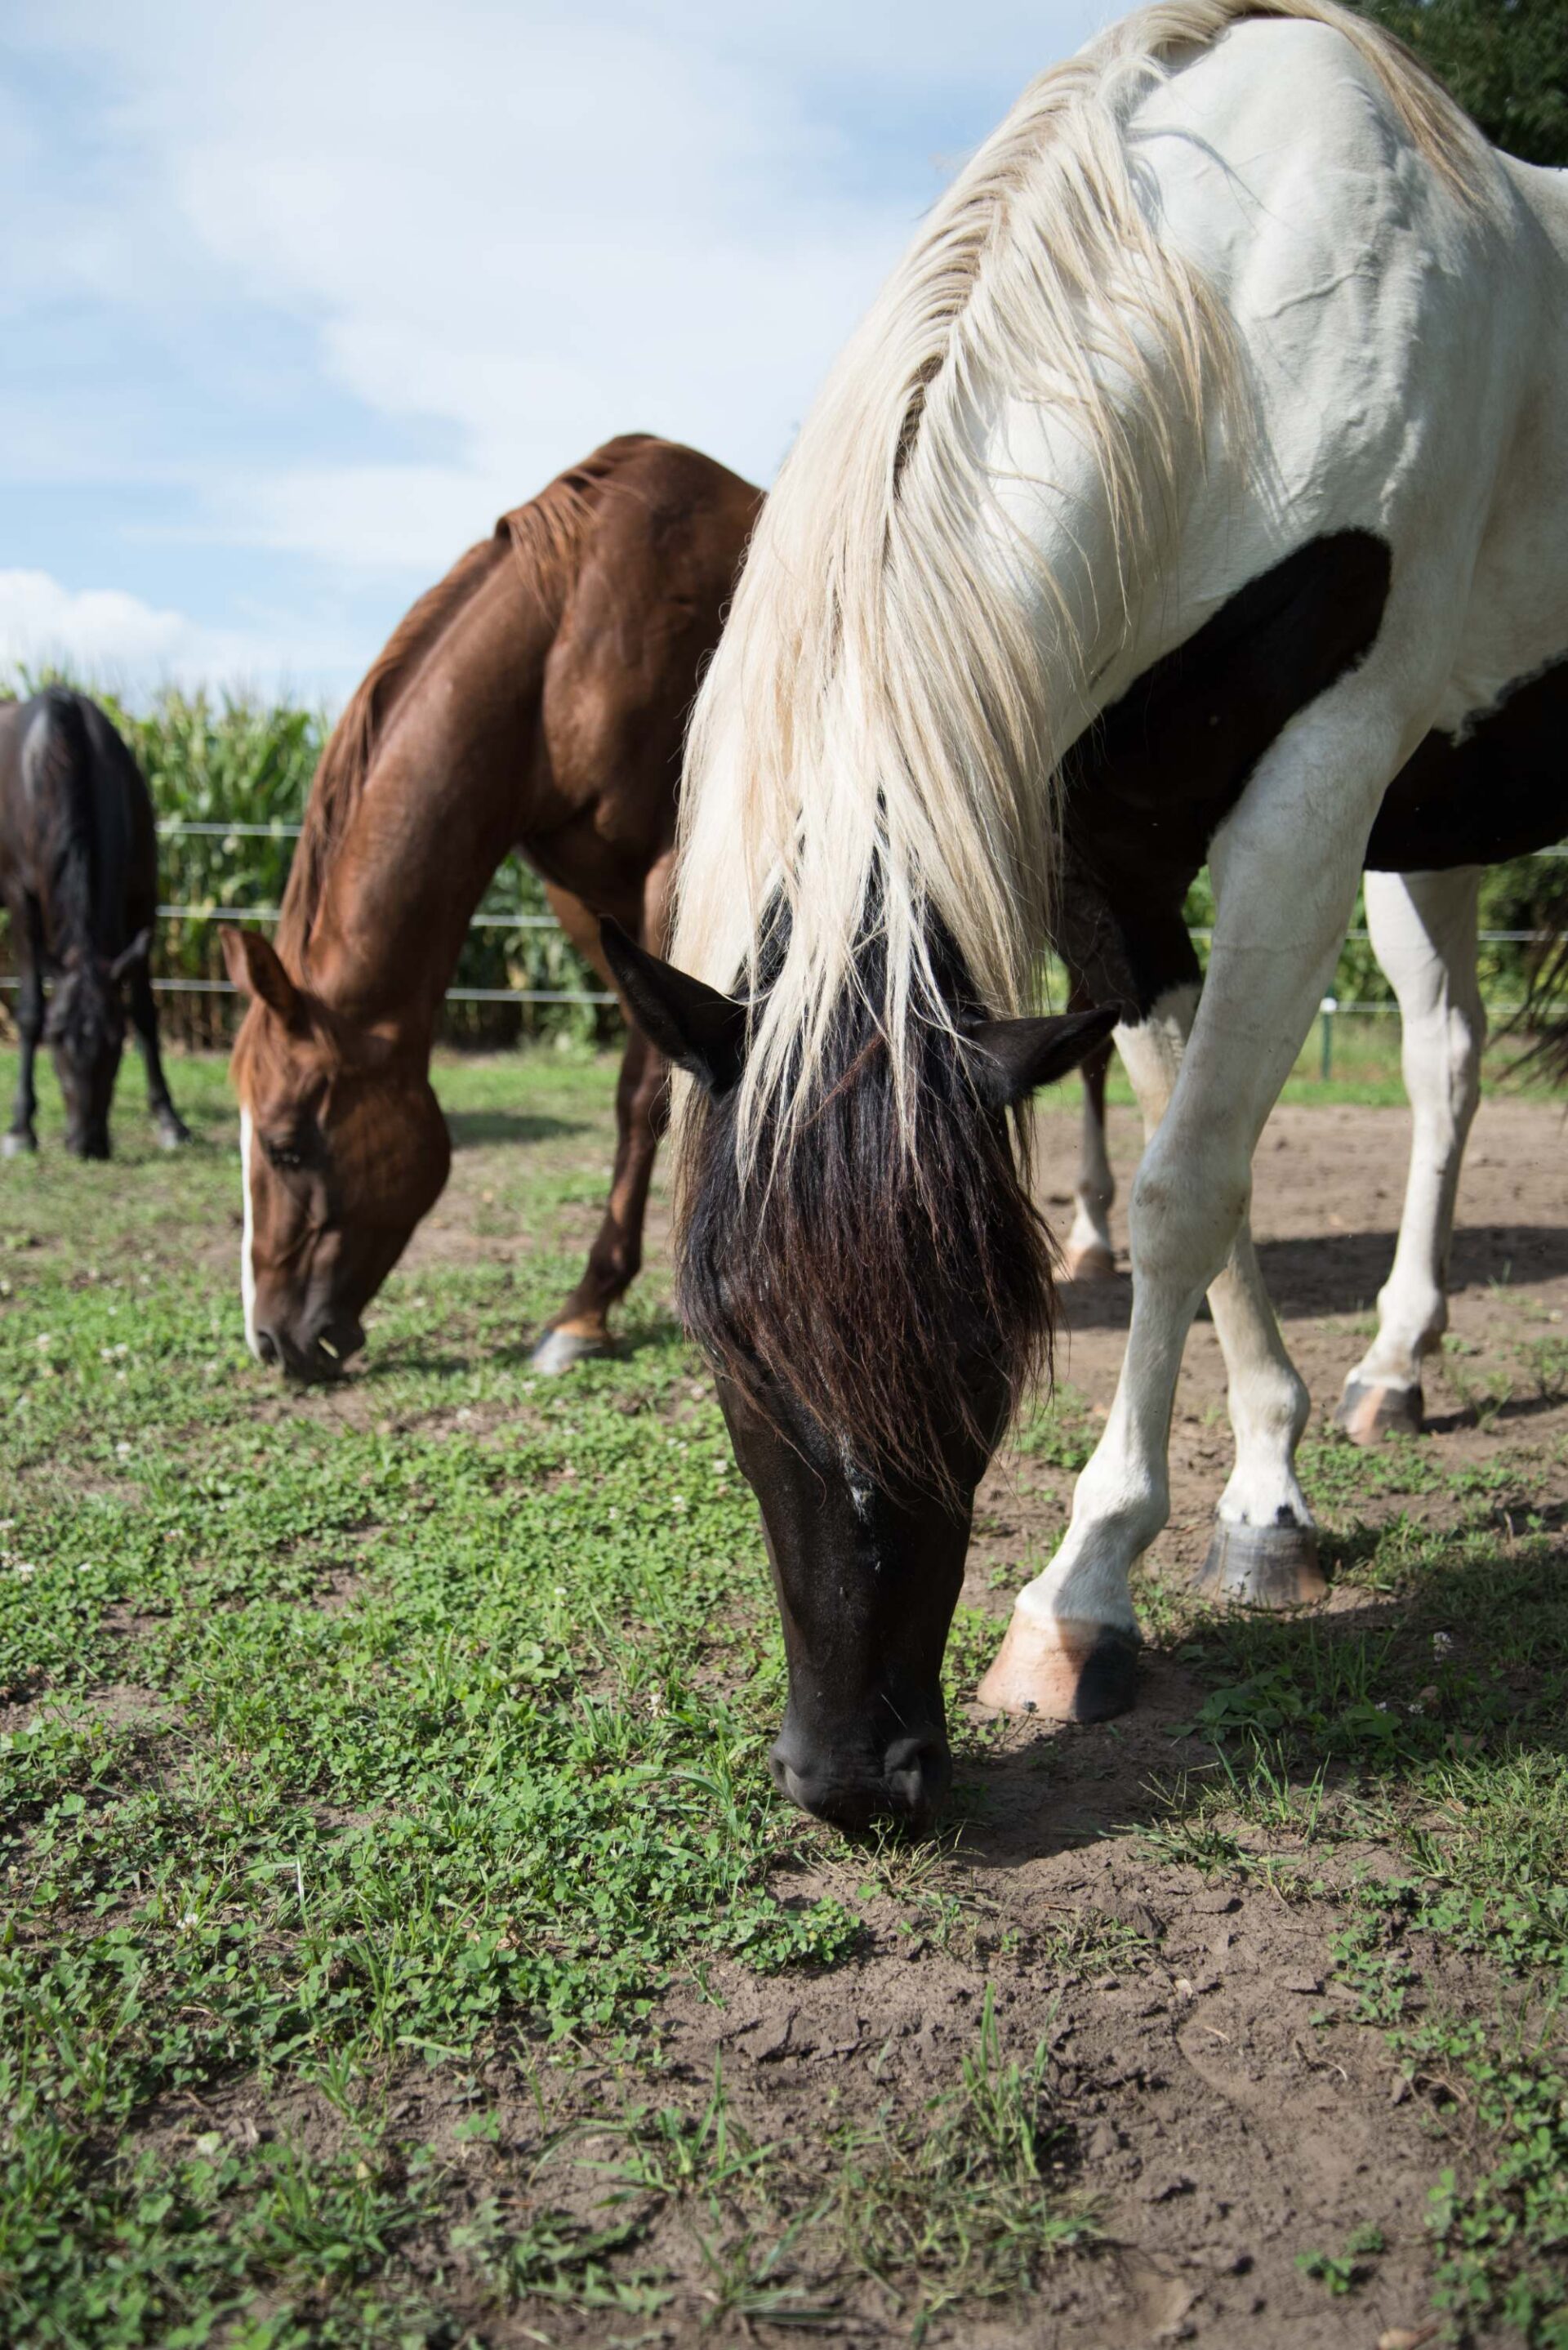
281 1156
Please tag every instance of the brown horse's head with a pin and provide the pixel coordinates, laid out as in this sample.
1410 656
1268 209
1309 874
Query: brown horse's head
343 1150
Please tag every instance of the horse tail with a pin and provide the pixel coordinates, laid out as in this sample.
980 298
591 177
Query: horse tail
56 779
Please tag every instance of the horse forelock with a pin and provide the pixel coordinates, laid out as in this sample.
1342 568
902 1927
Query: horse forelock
859 1274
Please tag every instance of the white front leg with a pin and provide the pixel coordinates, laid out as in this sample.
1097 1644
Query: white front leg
1423 927
1285 868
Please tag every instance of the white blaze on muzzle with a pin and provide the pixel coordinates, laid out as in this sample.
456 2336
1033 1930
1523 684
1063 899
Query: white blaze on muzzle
247 1237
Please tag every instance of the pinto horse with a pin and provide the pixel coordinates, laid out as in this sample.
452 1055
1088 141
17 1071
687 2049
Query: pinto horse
78 877
533 700
1198 487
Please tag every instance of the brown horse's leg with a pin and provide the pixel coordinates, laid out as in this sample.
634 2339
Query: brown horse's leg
581 1330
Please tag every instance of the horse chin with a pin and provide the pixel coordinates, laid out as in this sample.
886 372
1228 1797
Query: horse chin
324 1357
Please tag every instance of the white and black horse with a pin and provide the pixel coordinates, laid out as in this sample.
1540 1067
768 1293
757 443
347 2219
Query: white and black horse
78 877
1196 490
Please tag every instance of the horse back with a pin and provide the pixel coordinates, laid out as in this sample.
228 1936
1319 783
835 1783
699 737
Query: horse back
73 803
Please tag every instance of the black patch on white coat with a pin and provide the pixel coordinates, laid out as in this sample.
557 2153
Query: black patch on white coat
1146 786
1498 790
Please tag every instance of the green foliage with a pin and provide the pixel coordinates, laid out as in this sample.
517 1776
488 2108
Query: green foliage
232 759
1506 61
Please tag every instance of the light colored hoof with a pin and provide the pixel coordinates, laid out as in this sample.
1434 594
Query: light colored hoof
175 1135
1092 1264
1062 1672
1365 1413
560 1350
19 1145
1262 1566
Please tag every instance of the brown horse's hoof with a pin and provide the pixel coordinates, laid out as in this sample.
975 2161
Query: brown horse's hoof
560 1350
1063 1671
1365 1413
18 1145
1262 1566
1092 1264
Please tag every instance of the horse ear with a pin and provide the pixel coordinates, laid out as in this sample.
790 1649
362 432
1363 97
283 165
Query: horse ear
252 963
1016 1055
690 1024
139 949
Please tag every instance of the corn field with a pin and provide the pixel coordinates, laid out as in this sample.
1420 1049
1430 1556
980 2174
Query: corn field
230 759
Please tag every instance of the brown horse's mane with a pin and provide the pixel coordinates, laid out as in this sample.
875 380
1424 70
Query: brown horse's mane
546 536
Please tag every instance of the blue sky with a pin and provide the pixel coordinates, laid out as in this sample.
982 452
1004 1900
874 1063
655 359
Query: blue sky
294 299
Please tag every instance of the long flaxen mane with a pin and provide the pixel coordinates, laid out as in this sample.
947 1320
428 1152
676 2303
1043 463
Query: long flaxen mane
543 539
870 765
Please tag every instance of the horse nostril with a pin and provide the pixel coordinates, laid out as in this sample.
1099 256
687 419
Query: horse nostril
918 1773
266 1346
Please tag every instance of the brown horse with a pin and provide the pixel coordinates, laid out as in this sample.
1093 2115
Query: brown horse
535 700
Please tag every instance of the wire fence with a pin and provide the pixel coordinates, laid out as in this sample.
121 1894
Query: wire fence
193 916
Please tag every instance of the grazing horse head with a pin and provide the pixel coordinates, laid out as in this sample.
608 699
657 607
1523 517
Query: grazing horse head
871 1313
343 1148
86 1031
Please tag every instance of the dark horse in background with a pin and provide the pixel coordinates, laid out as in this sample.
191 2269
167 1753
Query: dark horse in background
533 700
78 877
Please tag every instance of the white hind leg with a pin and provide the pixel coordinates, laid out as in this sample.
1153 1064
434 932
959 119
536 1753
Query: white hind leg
1264 1550
1423 929
1089 1254
1285 868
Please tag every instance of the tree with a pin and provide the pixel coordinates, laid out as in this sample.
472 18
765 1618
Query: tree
1506 61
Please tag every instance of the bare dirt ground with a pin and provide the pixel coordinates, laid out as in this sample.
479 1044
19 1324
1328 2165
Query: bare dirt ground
1219 2117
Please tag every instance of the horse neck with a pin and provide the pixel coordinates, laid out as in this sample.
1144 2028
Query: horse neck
59 749
446 795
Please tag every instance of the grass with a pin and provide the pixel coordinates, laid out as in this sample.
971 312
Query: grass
374 1771
369 1736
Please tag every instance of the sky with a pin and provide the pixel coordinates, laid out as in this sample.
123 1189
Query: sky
295 298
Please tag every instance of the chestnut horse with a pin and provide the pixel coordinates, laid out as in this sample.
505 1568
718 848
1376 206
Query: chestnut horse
78 877
535 700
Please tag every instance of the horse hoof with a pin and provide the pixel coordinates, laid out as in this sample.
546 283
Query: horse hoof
173 1134
19 1145
1368 1412
558 1350
1092 1264
1063 1671
1262 1566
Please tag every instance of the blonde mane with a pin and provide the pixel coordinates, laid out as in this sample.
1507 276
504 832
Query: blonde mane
874 740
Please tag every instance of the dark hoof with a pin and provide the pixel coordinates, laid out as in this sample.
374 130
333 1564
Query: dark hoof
1262 1566
1063 1671
19 1145
172 1133
558 1350
1365 1413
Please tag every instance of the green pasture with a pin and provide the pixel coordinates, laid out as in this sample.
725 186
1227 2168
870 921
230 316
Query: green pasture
408 1734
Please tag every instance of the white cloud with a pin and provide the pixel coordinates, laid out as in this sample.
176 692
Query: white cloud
514 229
106 636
